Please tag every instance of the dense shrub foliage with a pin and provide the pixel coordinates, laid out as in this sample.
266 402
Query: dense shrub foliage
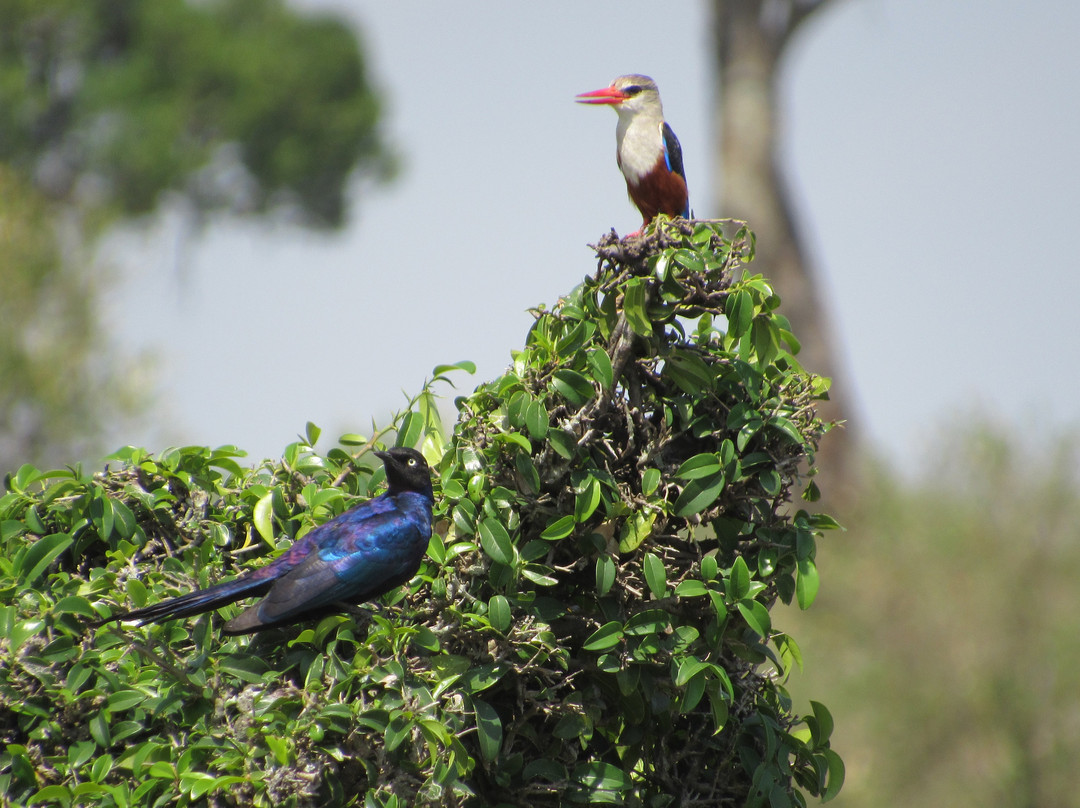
592 623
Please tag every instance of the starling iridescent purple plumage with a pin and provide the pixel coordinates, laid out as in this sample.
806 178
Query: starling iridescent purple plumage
353 558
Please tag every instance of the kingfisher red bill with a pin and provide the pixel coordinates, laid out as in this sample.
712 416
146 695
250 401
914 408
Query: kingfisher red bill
648 153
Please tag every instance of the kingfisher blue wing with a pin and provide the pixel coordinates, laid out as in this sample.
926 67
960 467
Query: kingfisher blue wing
673 158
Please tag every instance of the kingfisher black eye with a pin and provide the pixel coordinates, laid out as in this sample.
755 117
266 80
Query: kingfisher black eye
633 89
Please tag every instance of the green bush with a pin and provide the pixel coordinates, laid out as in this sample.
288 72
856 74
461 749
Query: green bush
591 625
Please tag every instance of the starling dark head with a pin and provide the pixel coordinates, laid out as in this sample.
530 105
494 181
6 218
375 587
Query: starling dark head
406 470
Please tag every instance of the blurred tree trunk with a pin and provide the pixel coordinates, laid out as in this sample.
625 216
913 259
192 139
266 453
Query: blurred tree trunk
749 39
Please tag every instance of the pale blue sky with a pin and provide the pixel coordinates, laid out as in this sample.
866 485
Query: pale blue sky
932 150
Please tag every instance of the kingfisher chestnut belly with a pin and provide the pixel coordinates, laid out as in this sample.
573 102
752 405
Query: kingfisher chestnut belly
648 153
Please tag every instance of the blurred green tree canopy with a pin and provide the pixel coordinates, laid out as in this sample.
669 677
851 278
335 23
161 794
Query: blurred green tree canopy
55 391
109 107
242 104
946 641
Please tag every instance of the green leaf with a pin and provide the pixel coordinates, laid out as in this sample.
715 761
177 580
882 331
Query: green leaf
700 465
607 636
563 442
125 523
559 529
397 731
600 777
824 721
756 616
822 521
499 613
496 541
572 386
515 439
739 580
22 631
279 748
539 575
572 339
544 769
688 669
480 677
489 730
836 775
718 606
635 529
163 770
699 494
663 262
54 793
766 339
794 346
312 433
739 308
720 710
691 696
655 575
79 753
99 729
40 555
466 365
262 517
806 582
249 669
691 588
766 561
690 260
33 520
689 372
770 481
453 489
587 500
125 699
787 428
536 420
528 476
426 639
101 512
410 429
515 408
650 480
790 652
10 529
650 621
605 574
600 363
634 307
